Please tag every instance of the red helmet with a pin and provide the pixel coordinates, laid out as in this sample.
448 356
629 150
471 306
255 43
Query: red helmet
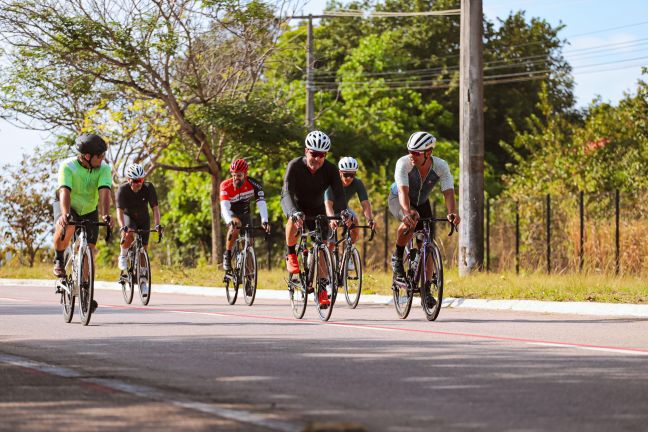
239 165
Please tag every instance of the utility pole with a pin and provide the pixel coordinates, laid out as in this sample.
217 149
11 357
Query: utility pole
310 90
471 139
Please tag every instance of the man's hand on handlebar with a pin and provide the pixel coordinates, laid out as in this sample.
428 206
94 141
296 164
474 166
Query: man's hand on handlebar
297 219
454 219
410 219
266 227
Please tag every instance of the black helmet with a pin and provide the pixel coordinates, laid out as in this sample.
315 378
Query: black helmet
91 143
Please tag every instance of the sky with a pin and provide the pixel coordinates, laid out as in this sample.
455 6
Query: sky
608 44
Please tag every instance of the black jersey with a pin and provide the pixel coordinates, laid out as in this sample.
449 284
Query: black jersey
135 204
304 191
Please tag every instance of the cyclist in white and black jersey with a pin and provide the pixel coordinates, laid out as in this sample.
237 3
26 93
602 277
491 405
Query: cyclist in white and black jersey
416 175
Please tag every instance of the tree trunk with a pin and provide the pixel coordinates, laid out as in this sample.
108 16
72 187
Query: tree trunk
216 249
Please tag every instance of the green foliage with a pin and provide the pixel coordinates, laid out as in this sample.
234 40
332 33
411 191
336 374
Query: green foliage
26 212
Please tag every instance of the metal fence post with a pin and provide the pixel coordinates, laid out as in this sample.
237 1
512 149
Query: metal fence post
386 238
581 249
488 234
548 233
617 254
517 238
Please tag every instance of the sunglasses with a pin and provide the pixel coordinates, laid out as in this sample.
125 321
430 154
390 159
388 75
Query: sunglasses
416 153
317 154
137 181
348 175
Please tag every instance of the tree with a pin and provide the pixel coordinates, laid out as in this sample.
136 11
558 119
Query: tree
191 55
26 197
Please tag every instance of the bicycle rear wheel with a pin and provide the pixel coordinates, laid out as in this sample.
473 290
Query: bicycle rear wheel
352 277
326 285
86 286
144 276
402 291
297 288
432 284
232 278
250 277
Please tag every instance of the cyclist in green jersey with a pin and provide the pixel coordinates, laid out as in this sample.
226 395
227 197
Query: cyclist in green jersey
83 193
348 167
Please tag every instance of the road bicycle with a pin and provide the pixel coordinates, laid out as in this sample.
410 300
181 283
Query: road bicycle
348 265
244 269
316 273
138 268
427 284
78 281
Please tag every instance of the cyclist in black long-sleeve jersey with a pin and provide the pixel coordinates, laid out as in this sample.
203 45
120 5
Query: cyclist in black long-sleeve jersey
306 179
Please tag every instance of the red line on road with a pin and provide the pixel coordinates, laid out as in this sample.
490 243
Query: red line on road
380 327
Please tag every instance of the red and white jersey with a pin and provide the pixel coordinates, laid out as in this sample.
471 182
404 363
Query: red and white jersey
237 201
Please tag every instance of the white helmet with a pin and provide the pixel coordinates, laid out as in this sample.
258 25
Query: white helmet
318 141
135 171
421 141
347 163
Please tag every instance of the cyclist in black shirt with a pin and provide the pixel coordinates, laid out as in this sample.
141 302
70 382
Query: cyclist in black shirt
306 179
133 199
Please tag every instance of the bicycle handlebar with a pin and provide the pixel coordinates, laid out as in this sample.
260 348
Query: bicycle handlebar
453 227
142 231
82 223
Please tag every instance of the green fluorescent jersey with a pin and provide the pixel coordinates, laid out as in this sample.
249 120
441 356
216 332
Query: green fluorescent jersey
84 184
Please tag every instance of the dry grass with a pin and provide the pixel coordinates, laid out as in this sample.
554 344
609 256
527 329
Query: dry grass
536 286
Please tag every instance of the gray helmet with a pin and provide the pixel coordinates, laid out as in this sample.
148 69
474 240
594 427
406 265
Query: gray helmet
421 141
347 163
90 144
318 141
135 171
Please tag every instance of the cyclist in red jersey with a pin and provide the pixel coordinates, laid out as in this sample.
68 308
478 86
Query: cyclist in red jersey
235 196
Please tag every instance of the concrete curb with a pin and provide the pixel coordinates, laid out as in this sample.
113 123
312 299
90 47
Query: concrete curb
575 308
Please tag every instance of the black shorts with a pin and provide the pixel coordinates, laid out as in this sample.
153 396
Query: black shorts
92 230
424 210
142 223
310 224
245 218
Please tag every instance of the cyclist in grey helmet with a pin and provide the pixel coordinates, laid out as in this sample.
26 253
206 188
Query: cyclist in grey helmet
83 193
415 176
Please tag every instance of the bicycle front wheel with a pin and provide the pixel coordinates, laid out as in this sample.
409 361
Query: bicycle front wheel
432 284
67 296
250 277
144 277
232 279
86 286
127 281
297 288
352 277
403 292
324 276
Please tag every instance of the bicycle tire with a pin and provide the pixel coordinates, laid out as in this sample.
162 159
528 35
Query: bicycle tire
67 299
402 292
67 304
297 289
324 311
352 294
231 280
145 299
128 287
250 277
435 288
86 286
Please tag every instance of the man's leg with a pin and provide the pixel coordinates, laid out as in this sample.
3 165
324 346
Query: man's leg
291 241
60 244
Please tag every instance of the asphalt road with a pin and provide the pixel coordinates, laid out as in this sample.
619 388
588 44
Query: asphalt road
195 363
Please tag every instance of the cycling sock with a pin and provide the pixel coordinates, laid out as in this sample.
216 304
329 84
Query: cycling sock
60 255
400 250
291 250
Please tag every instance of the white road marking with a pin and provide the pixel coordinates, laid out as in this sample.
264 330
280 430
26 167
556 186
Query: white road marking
151 393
